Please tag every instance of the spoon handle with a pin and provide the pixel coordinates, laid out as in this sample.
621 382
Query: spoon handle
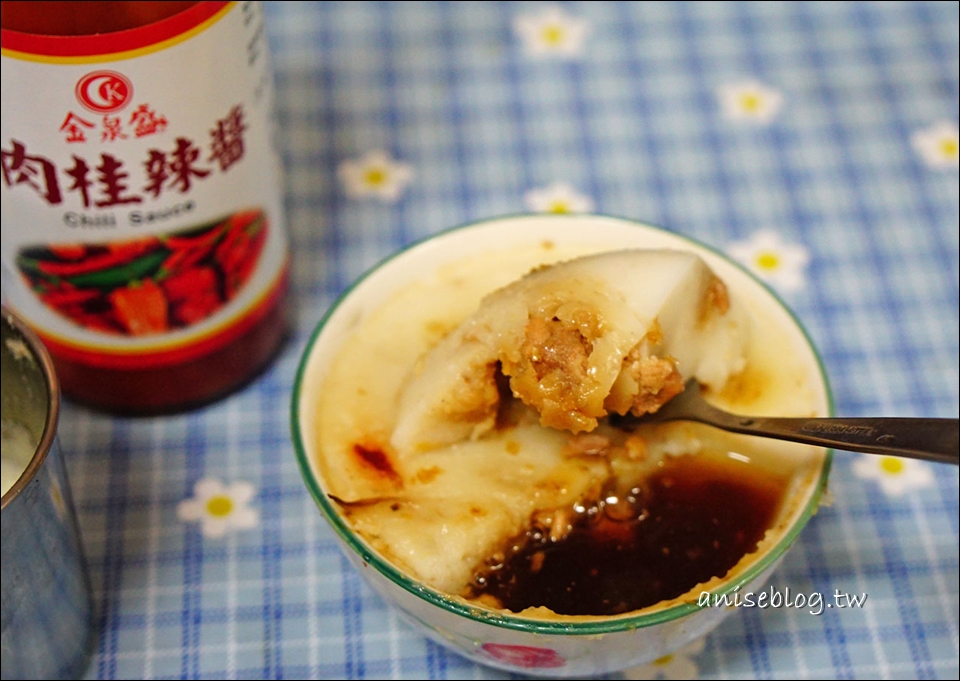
917 438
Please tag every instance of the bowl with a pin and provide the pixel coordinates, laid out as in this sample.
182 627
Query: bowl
350 376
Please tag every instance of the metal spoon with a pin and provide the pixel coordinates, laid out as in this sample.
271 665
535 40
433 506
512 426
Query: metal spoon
916 438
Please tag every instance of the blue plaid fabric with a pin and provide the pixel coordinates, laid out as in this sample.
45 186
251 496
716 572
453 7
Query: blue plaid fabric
634 123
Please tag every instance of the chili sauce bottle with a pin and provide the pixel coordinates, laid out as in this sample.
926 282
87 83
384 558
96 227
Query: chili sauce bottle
142 218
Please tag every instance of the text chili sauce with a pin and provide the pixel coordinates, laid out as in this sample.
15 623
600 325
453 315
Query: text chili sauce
143 229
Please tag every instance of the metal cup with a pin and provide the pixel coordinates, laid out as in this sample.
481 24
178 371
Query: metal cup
47 627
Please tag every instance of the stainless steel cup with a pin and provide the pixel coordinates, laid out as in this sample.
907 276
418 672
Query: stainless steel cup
47 627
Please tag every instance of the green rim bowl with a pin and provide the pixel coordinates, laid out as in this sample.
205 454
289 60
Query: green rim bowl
561 647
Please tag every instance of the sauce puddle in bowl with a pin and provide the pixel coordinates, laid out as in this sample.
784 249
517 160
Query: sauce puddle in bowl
691 520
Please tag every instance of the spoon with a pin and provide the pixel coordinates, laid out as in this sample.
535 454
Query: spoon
931 439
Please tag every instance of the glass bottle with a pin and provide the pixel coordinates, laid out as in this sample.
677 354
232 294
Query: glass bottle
144 238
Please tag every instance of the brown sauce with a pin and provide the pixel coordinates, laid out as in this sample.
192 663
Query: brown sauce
374 458
693 520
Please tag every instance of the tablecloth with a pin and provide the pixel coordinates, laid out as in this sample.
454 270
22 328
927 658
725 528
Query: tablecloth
816 142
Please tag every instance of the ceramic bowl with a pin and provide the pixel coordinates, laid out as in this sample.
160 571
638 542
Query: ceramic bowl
565 646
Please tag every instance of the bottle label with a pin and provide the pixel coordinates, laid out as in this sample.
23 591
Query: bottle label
141 191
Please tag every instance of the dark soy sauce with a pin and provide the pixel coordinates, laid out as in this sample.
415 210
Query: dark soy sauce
693 520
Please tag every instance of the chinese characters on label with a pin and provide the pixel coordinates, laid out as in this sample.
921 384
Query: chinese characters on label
105 182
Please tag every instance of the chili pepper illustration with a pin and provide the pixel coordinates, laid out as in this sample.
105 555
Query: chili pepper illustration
245 262
230 255
238 252
68 251
186 250
240 220
123 274
73 303
187 256
69 296
195 240
99 321
132 249
149 284
116 254
193 294
184 284
140 308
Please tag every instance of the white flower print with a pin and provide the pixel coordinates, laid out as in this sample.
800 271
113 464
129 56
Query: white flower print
749 100
552 32
896 475
678 665
377 175
559 197
218 507
775 261
938 145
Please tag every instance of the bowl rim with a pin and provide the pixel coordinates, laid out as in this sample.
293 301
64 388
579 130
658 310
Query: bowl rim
580 627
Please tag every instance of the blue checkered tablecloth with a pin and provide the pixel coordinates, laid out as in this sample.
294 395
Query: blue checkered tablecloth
817 142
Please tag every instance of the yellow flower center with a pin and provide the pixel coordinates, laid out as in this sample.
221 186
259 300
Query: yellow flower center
559 207
375 176
768 261
663 661
553 34
891 465
219 506
950 147
751 102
